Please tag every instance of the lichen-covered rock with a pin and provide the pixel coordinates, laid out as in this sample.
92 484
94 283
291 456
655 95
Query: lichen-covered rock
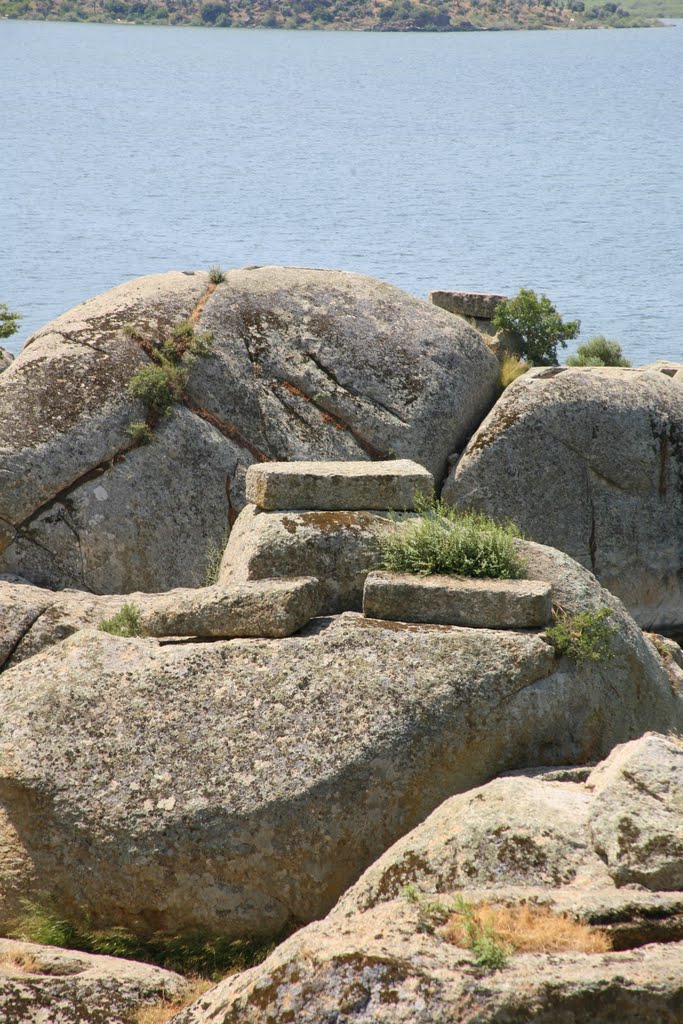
636 820
49 985
591 462
306 365
384 967
338 548
241 785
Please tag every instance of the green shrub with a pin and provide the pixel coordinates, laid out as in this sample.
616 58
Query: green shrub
511 368
141 432
444 540
125 623
491 951
216 275
189 954
159 386
598 351
584 636
184 346
9 322
538 324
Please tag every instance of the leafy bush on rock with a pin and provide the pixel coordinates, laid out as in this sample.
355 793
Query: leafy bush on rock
598 351
125 623
584 636
538 324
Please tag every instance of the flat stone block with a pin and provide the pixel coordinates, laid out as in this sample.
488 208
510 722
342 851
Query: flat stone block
477 304
457 601
337 486
267 608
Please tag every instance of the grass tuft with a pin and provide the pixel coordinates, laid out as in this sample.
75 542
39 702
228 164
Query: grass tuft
511 368
585 636
20 960
443 540
191 954
164 1009
125 623
216 274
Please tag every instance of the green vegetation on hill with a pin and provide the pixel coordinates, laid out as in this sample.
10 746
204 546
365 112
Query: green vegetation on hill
364 15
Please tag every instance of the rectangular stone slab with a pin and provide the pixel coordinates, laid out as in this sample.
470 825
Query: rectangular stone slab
477 304
456 601
268 608
337 486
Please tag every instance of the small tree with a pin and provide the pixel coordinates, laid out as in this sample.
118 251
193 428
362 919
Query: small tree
599 351
538 324
9 322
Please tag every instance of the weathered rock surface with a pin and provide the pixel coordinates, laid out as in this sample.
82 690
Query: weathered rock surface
338 486
590 461
5 358
48 985
306 365
489 604
240 785
481 305
636 820
383 967
32 618
338 548
381 957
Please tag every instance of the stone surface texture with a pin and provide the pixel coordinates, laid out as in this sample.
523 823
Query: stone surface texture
381 956
489 604
5 358
306 364
338 486
49 985
32 618
383 967
478 304
339 548
242 785
590 461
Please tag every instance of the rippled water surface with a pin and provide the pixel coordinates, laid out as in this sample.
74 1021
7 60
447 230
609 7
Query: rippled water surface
488 161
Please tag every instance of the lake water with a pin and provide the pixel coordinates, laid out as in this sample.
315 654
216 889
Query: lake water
551 160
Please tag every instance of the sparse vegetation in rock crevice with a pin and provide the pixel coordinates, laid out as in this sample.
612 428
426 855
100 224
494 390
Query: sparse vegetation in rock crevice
126 622
494 932
443 540
191 954
584 636
164 382
511 368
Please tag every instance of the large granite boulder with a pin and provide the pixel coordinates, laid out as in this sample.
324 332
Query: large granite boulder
240 786
306 365
535 841
590 461
49 985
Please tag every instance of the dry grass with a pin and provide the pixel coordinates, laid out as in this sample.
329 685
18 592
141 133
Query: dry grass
674 737
528 929
20 960
164 1009
511 368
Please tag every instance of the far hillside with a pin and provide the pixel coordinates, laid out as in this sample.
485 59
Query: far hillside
362 15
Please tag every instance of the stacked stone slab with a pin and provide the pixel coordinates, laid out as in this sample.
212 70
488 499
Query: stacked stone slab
477 308
453 601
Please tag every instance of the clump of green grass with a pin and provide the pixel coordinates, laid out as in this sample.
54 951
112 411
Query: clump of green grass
446 541
125 623
584 636
141 432
189 954
216 274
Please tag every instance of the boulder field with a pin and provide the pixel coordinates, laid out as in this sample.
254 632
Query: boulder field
305 364
545 841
